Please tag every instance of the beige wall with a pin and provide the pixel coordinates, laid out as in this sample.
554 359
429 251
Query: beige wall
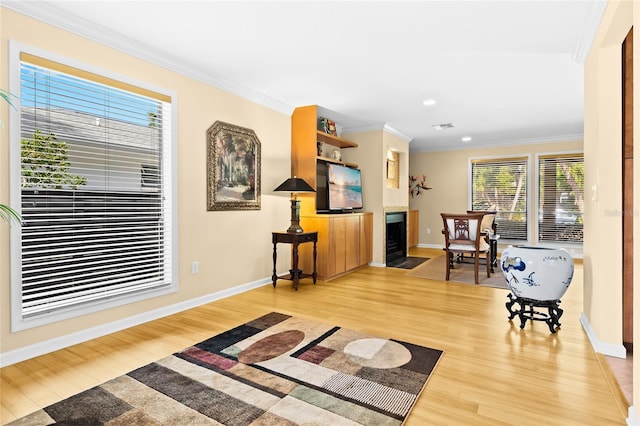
396 197
371 157
233 247
603 154
448 174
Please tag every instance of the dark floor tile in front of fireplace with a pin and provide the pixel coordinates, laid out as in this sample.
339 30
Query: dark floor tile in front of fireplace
407 262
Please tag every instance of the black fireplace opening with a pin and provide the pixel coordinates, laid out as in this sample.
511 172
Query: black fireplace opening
396 228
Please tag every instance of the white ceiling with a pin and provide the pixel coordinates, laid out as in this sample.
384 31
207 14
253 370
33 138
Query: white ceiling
502 72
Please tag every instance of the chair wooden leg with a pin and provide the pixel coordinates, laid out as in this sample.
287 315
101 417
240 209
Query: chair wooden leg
476 265
449 260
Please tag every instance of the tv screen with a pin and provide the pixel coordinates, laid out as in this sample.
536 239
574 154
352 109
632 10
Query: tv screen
345 187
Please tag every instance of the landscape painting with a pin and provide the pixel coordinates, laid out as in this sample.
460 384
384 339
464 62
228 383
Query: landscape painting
233 168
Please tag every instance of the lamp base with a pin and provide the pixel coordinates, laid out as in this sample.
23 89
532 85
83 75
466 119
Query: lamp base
295 227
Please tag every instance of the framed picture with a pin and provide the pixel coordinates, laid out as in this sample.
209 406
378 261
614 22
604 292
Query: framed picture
233 168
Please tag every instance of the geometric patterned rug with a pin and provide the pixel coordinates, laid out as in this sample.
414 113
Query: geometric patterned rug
274 370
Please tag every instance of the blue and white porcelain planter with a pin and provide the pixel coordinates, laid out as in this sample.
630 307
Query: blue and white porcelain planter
537 273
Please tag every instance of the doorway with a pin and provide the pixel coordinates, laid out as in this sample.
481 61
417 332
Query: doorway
627 191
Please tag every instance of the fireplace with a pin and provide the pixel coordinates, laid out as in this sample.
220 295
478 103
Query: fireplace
396 236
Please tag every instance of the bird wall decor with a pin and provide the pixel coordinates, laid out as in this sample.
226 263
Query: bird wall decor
417 185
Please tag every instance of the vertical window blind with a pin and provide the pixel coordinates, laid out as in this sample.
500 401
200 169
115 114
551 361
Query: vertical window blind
501 185
95 188
561 198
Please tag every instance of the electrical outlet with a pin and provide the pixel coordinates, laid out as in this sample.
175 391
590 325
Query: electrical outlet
195 267
428 231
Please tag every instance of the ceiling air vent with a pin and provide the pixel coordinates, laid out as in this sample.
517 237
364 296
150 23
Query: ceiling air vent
443 126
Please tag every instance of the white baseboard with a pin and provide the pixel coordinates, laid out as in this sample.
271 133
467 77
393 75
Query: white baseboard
610 349
633 419
434 246
41 348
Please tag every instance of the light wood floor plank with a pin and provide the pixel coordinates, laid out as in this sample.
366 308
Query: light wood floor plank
492 373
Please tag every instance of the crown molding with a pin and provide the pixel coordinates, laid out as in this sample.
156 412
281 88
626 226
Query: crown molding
397 133
364 128
49 14
497 144
589 33
377 127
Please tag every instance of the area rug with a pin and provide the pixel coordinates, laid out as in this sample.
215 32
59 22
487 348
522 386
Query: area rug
274 370
408 262
435 269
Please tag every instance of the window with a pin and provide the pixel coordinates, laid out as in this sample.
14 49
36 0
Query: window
501 185
560 198
95 192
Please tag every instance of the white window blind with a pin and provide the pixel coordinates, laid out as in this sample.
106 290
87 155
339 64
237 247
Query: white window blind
93 230
501 185
561 198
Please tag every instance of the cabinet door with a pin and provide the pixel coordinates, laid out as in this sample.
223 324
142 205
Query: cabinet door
366 238
344 243
337 246
352 242
414 227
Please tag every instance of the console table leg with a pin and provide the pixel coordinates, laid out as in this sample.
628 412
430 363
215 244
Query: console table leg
274 277
315 274
295 272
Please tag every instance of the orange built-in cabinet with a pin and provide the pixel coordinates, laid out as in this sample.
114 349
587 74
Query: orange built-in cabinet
344 240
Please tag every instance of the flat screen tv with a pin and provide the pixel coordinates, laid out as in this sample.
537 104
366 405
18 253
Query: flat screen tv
344 187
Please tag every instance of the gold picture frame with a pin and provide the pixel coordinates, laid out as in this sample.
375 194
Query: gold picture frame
233 168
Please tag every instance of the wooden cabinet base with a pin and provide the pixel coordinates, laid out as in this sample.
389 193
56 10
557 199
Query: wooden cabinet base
344 243
414 228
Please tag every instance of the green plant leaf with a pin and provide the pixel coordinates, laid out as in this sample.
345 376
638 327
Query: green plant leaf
9 215
7 97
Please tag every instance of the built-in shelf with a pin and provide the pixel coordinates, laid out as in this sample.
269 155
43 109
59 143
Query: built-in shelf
335 140
331 160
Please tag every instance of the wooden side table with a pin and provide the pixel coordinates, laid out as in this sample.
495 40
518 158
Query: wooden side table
295 274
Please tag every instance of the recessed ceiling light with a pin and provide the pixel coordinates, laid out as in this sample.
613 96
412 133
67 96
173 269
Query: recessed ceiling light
429 102
466 139
443 126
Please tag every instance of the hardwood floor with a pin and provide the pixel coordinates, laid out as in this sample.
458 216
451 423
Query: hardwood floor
491 373
622 370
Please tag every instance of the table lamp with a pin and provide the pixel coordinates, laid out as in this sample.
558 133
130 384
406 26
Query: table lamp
295 185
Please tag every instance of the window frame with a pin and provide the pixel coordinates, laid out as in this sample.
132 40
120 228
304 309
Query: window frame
19 323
